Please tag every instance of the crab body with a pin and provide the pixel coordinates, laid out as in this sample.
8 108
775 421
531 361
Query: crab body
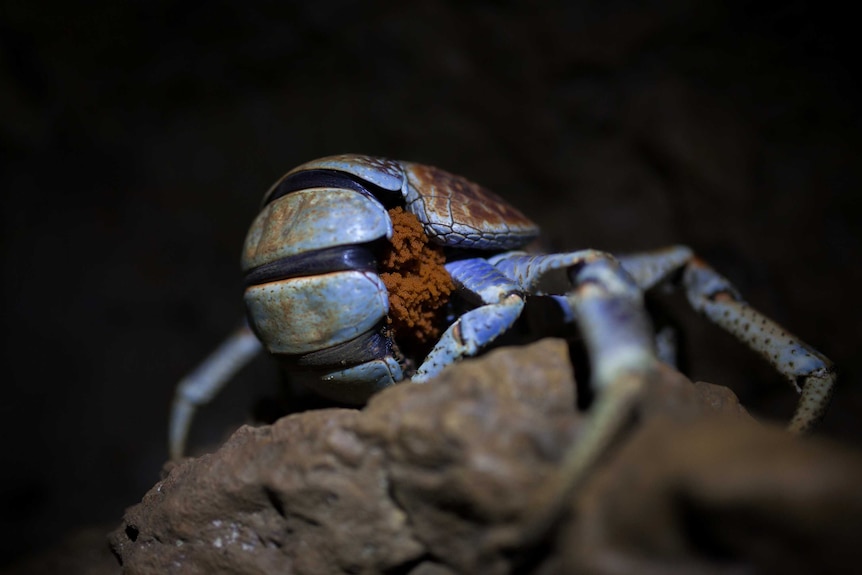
313 294
317 298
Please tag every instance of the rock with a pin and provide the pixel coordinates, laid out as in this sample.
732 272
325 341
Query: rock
421 471
719 495
436 479
466 451
301 496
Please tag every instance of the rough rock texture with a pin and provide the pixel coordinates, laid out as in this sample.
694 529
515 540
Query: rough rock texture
436 478
422 472
713 496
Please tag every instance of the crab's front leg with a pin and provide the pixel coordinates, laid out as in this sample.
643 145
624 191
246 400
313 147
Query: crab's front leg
607 305
714 296
501 303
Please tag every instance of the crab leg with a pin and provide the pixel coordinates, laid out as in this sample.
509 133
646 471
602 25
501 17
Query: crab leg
204 383
609 311
650 269
709 293
502 305
607 306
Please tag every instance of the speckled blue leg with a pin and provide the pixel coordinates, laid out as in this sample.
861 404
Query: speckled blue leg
503 303
808 371
202 384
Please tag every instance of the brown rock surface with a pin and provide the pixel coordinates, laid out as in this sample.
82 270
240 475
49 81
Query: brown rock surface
714 497
435 478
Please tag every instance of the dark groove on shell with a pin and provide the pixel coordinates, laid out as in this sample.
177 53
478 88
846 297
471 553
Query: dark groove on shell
326 260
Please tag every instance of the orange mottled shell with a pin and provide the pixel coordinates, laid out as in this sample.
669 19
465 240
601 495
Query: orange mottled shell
460 213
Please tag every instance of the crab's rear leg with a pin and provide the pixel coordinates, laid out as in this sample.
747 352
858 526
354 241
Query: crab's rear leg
204 383
809 372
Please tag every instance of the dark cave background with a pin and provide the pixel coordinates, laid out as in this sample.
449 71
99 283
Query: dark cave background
138 138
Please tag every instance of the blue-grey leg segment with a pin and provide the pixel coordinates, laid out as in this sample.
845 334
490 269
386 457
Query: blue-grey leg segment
608 307
503 304
809 372
358 383
567 316
610 313
619 340
482 280
542 274
615 323
651 268
202 384
712 295
667 345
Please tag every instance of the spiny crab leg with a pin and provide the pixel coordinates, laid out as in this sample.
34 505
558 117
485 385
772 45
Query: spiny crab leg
714 296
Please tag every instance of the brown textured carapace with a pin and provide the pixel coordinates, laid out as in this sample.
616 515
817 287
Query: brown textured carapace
419 286
468 210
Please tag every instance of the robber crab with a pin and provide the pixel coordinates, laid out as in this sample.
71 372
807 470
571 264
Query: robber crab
362 272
